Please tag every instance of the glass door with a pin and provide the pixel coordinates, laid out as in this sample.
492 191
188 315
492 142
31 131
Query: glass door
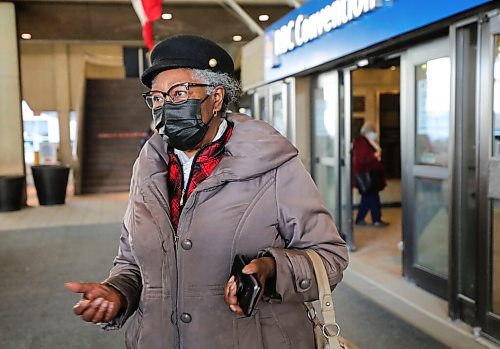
331 146
426 125
325 140
273 104
489 192
278 107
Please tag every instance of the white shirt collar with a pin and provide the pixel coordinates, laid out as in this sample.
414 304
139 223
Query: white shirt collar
186 161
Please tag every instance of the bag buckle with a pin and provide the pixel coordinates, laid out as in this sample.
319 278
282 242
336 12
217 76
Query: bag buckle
334 328
311 314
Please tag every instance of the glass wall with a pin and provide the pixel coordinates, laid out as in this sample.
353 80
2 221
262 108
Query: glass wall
41 136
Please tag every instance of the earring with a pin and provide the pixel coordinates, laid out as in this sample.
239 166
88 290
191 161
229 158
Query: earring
214 113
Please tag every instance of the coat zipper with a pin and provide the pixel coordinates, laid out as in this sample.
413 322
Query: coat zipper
185 187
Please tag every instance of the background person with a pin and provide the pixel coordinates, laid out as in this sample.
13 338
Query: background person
206 186
367 157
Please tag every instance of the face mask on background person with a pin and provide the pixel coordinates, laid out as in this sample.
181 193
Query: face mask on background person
181 123
372 136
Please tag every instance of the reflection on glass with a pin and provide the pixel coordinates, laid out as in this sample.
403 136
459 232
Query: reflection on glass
431 224
325 180
496 98
432 112
496 257
323 136
324 129
278 116
263 109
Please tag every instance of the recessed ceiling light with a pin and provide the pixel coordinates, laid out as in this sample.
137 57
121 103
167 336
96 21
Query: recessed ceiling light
237 38
166 16
263 18
363 62
26 36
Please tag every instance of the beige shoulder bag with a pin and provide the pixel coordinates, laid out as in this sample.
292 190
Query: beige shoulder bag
321 312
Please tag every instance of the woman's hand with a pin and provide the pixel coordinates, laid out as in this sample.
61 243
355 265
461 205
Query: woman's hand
99 303
264 268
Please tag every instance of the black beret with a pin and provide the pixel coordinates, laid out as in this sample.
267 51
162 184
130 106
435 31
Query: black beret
187 51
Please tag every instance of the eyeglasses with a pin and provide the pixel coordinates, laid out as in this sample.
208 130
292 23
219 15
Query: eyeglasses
176 94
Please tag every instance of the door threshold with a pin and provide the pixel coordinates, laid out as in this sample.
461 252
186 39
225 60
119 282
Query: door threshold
414 305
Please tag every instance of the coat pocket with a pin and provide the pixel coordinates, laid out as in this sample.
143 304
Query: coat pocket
273 335
247 332
134 330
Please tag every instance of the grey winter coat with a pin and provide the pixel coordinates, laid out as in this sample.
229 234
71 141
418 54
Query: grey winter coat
259 197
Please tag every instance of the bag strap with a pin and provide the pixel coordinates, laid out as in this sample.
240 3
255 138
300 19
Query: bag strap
330 328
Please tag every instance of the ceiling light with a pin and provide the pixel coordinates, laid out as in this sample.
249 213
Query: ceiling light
26 36
362 62
237 38
263 18
166 16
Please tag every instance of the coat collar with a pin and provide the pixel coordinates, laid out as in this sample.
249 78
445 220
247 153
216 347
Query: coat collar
253 149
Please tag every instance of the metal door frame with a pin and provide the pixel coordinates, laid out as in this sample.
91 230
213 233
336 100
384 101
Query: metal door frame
346 203
459 304
490 322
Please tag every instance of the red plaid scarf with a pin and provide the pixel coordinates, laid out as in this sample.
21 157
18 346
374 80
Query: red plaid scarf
204 162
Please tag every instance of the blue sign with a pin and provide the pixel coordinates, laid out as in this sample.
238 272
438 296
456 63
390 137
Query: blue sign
321 31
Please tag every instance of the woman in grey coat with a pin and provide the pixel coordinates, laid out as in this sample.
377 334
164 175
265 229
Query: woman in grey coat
207 186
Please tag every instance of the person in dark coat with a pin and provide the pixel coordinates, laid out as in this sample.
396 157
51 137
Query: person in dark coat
367 158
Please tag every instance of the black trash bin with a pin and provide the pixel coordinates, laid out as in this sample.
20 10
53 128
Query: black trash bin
50 183
11 193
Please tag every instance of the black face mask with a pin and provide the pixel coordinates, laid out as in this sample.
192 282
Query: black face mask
181 124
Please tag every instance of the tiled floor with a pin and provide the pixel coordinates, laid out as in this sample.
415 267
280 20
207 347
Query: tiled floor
391 194
375 270
78 210
375 266
381 246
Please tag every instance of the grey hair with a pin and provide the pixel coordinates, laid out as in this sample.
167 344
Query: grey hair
231 86
367 127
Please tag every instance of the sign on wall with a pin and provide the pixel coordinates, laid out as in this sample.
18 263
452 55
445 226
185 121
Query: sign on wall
321 31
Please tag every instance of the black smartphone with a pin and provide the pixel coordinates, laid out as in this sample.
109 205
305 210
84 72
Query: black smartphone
249 288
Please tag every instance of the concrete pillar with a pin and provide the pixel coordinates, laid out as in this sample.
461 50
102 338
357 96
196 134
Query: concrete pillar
63 100
11 125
